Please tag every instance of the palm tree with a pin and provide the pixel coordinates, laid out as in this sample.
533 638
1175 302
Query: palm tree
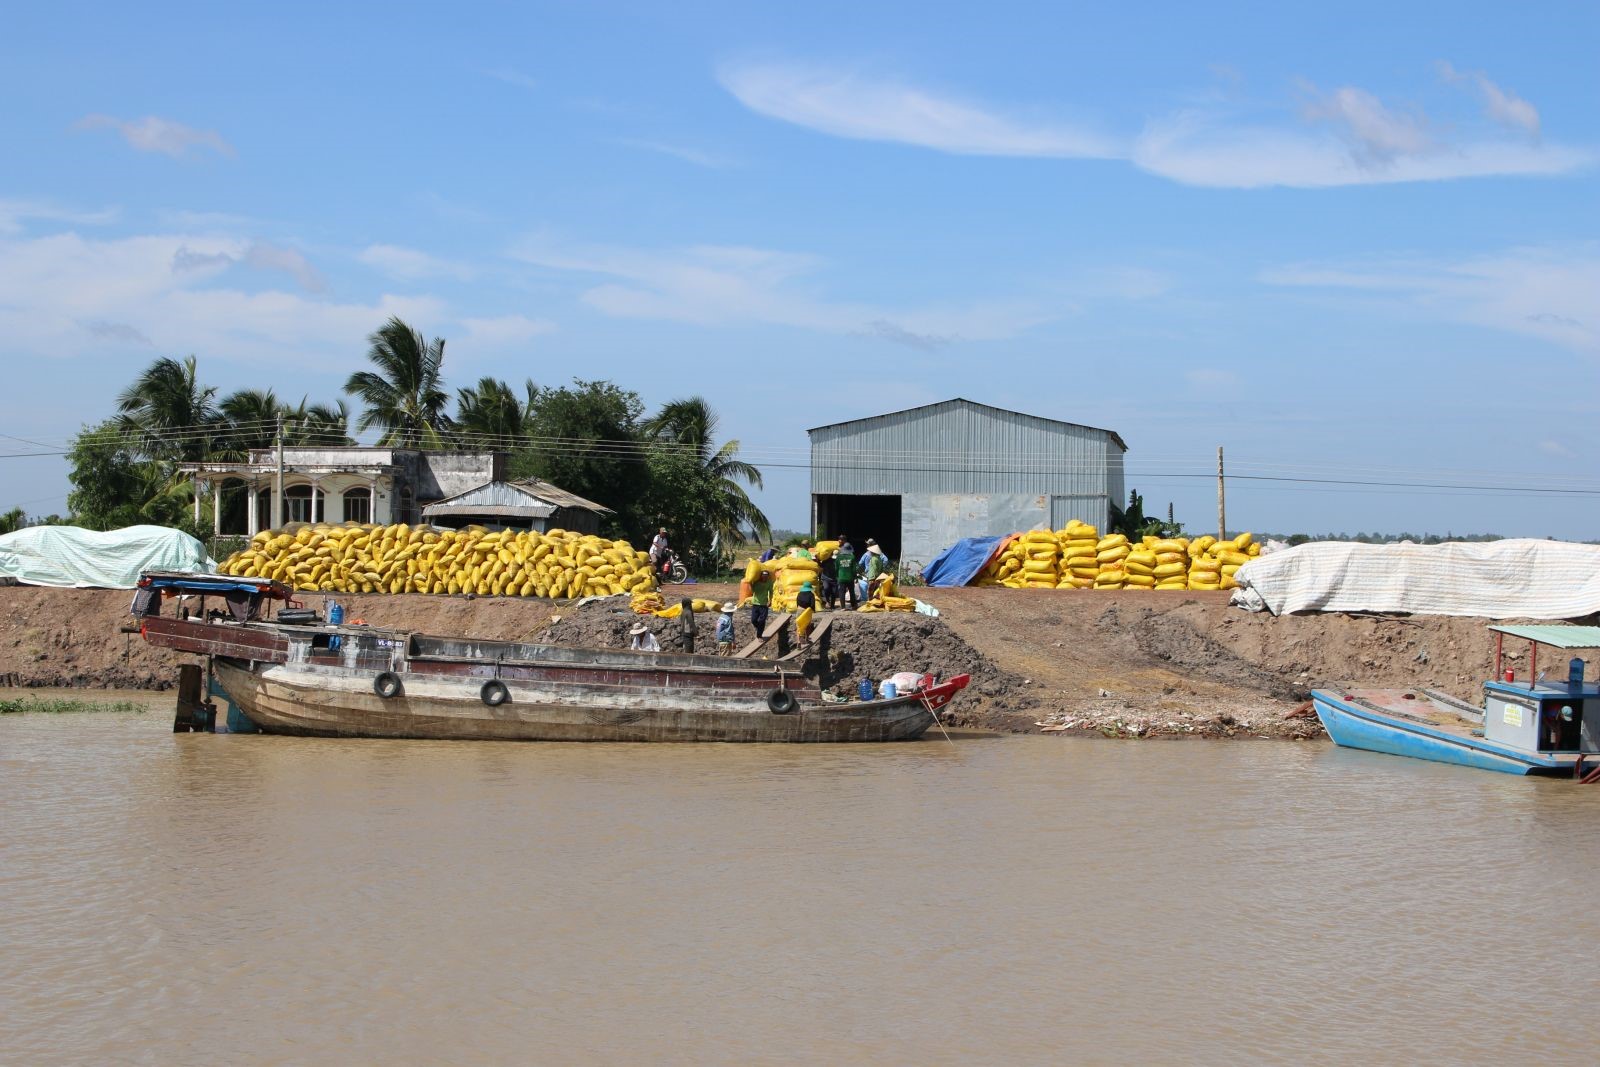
317 424
250 418
172 416
406 395
13 520
689 427
491 409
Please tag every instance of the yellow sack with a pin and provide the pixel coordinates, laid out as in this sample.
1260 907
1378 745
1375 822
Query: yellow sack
1107 543
1172 557
670 613
1083 572
1113 554
824 549
1230 556
1178 583
802 622
1142 581
1075 582
1205 565
752 570
1133 566
1142 556
1230 569
1229 583
1034 566
1170 570
1171 544
1201 545
1243 541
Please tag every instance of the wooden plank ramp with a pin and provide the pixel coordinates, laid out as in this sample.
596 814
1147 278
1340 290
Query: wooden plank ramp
775 625
817 633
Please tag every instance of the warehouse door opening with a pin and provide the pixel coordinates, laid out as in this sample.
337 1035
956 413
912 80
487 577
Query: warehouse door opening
861 517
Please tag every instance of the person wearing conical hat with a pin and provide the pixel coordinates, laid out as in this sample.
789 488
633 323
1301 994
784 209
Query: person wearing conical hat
725 629
643 639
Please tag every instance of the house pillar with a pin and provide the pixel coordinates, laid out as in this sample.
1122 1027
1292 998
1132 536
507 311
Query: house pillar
313 512
372 504
250 520
216 508
195 484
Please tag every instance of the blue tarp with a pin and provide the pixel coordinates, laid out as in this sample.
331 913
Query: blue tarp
961 562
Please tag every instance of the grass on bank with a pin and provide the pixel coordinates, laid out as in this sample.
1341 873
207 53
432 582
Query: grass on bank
29 705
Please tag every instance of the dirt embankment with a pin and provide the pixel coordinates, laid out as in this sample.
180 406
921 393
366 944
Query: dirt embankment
1117 663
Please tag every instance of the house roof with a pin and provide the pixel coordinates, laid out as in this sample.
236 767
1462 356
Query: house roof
529 498
973 404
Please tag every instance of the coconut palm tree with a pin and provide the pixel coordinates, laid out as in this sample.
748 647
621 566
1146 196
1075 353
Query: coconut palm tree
405 395
688 428
317 424
171 415
490 409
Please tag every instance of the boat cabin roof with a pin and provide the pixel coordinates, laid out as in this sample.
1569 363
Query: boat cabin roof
1556 635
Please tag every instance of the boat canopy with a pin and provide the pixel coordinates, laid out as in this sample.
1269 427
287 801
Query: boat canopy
1555 636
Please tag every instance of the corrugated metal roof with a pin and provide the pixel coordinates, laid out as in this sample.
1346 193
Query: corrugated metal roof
1555 635
531 498
973 404
964 448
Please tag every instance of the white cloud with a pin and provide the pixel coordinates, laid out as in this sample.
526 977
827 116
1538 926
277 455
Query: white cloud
64 294
512 76
260 255
1548 293
700 158
14 213
155 134
1346 137
503 330
1376 133
409 264
1556 448
847 104
1506 108
723 285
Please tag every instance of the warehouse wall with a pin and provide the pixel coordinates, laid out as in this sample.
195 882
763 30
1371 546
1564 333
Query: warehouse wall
932 522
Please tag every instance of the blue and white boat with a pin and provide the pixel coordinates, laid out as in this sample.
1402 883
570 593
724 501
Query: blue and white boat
1531 727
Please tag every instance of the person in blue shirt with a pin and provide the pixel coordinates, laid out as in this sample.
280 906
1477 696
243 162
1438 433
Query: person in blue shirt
725 629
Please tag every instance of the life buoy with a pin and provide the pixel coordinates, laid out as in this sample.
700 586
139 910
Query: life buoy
494 692
781 702
387 685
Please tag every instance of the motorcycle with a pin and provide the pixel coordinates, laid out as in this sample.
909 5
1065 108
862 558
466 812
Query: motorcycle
671 570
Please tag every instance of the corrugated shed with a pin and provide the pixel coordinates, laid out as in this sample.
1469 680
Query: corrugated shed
959 446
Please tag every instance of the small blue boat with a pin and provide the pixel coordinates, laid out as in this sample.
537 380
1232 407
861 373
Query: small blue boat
1532 727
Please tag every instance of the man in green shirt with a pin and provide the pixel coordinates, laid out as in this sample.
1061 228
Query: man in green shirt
844 562
760 602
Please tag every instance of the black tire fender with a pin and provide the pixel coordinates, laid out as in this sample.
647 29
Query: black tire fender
387 684
494 693
781 702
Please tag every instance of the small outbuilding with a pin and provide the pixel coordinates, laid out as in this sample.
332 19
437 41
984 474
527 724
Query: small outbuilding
921 479
523 505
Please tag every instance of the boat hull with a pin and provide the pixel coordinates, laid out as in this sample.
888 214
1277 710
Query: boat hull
1355 727
322 702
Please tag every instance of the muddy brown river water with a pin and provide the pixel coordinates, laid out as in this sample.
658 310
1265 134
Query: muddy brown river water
242 900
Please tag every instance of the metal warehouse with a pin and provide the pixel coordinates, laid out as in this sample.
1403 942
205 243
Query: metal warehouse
919 480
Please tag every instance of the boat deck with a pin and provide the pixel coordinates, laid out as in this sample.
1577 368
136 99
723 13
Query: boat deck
1435 711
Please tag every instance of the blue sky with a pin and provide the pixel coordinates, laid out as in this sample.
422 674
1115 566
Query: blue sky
1358 242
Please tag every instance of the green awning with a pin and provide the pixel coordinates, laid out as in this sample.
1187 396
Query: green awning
1555 636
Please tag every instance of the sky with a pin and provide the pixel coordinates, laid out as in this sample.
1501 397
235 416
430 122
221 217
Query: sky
1353 243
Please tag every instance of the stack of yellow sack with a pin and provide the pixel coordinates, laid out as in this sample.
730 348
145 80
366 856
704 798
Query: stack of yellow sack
1111 554
647 603
1006 567
1041 552
1079 543
789 574
362 558
1212 563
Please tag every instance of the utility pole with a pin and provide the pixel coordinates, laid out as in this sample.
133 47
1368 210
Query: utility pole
277 482
1222 505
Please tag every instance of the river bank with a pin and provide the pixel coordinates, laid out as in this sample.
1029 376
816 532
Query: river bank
1123 664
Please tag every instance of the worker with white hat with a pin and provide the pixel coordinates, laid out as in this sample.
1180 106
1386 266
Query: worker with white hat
643 639
725 629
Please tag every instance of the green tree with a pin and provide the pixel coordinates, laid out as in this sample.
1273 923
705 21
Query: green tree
707 500
405 396
491 415
585 439
13 520
171 416
114 485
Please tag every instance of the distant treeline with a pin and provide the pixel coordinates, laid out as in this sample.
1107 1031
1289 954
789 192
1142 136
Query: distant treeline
1380 538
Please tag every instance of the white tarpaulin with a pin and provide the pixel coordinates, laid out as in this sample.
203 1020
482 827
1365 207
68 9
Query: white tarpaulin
89 559
1523 579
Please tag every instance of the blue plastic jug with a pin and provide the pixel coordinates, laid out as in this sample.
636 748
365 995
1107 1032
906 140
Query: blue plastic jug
866 689
888 690
335 618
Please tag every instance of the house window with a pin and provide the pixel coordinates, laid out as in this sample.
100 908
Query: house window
297 504
358 505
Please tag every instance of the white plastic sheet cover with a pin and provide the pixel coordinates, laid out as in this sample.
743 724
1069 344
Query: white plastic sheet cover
74 558
1521 578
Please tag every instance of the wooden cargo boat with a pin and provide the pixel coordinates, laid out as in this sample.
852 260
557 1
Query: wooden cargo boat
358 681
1532 727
